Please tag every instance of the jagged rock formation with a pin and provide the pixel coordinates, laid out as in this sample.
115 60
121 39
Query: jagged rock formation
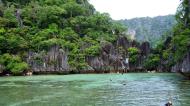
182 66
60 36
55 60
111 59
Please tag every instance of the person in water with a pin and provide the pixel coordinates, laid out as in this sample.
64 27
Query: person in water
169 104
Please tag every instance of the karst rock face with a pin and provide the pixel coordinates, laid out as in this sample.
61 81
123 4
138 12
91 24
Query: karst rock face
183 66
145 48
111 58
55 60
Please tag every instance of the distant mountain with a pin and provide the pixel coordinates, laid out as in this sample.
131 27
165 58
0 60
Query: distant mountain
149 29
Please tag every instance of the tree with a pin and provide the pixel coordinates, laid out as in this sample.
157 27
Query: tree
152 62
73 9
13 63
133 54
183 14
39 25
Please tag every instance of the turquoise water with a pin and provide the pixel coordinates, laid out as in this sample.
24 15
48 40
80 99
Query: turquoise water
141 89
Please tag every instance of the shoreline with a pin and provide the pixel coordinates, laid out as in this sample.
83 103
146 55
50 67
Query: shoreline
75 73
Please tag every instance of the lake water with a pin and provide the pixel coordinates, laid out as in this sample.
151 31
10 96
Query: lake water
137 89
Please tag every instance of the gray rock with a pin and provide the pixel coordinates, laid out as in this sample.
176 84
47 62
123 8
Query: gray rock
182 66
111 58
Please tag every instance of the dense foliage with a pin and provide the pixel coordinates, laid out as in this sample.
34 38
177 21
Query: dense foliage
150 29
37 25
180 42
133 54
152 62
174 48
13 63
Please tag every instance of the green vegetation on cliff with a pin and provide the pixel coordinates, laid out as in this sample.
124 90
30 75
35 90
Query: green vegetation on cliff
174 48
133 54
150 29
37 25
13 63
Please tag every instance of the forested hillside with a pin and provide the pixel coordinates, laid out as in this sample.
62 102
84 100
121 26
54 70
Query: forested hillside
71 36
174 52
150 29
58 34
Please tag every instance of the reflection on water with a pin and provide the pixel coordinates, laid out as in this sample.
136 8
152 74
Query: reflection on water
95 90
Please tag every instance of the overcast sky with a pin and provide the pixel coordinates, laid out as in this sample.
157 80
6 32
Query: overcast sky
127 9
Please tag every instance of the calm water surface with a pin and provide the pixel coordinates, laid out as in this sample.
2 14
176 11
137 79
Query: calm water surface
95 90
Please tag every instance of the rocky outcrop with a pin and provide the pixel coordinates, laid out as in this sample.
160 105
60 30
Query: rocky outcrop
144 51
112 58
145 48
123 42
55 60
163 65
182 66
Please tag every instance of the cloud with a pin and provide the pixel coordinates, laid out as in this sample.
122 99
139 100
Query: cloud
127 9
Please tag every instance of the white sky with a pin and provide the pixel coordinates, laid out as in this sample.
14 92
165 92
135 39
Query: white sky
127 9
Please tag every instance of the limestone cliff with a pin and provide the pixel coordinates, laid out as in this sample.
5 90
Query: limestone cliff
183 66
112 58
